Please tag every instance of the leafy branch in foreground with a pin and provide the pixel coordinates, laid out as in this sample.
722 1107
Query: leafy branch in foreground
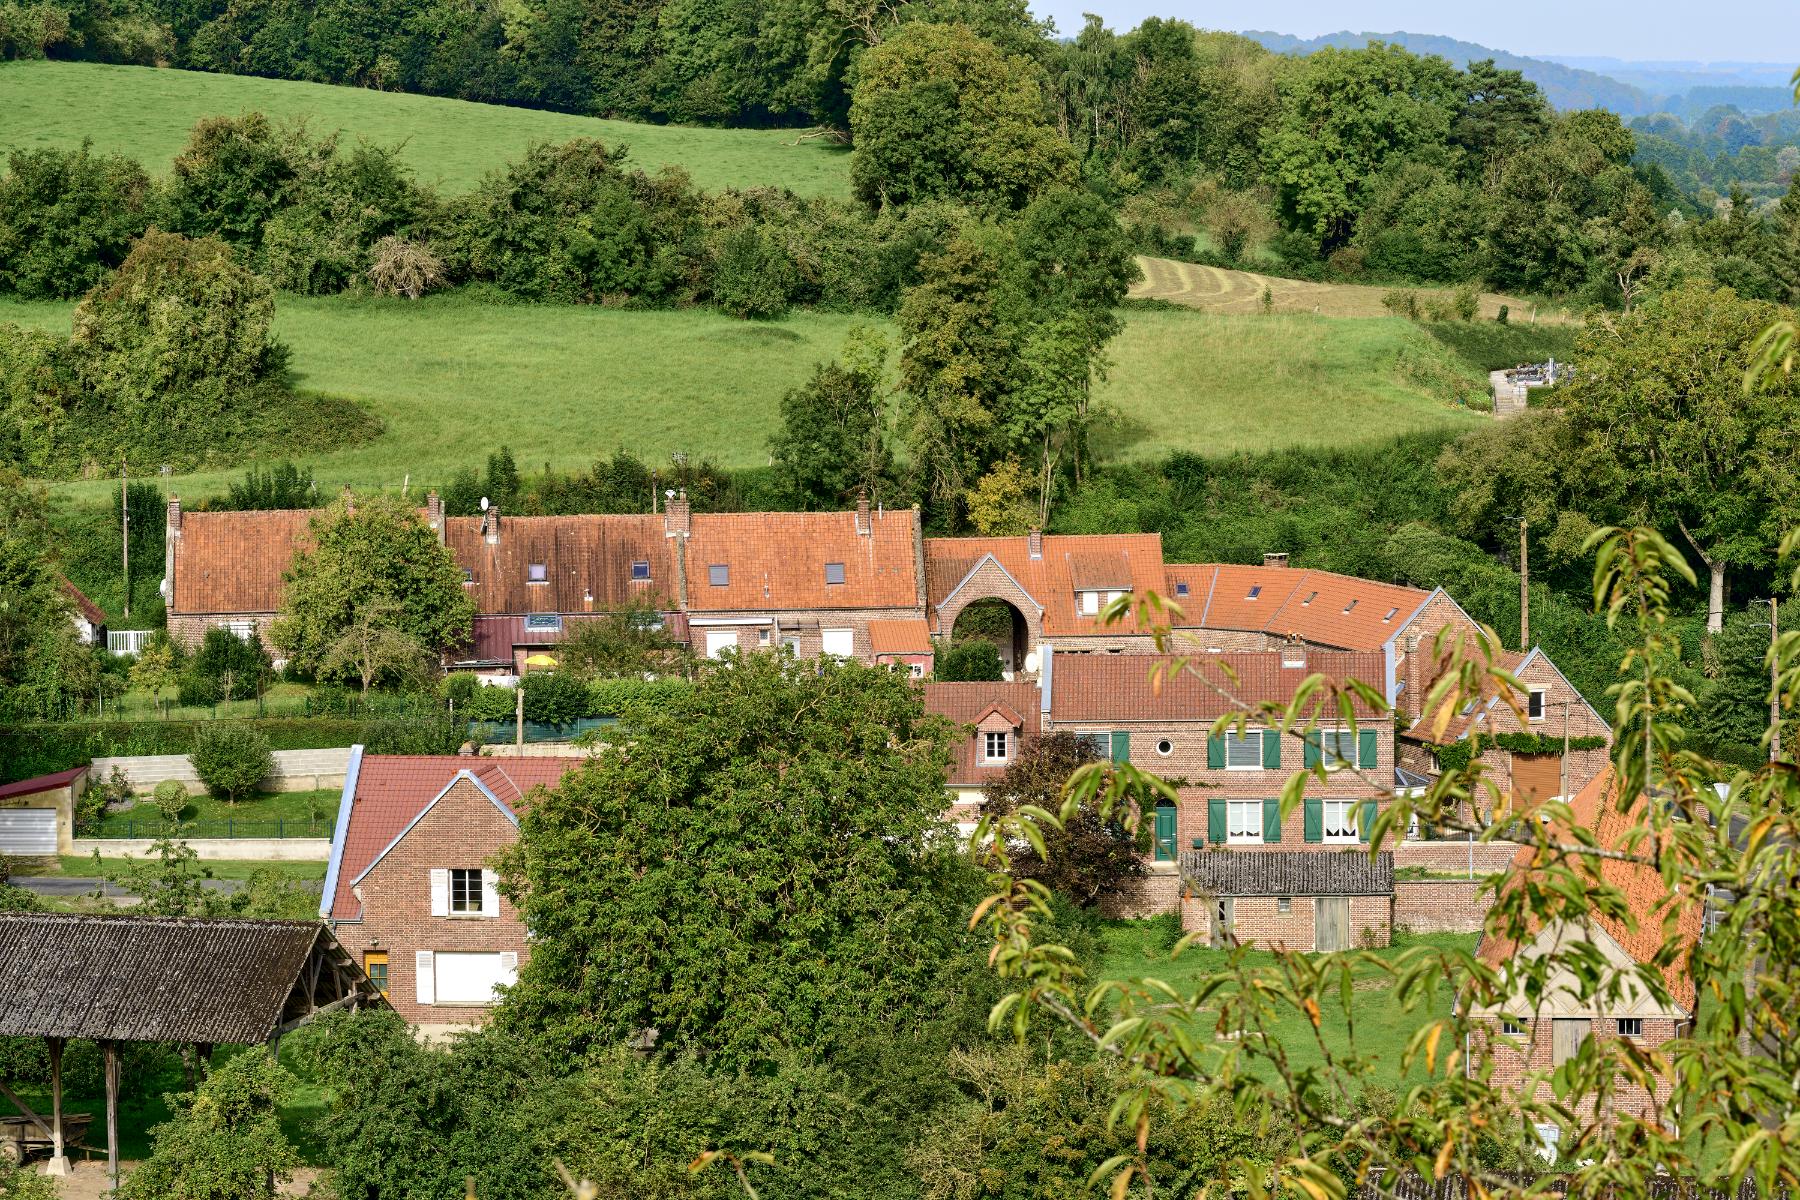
1714 1104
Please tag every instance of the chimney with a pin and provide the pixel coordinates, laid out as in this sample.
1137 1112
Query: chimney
1275 560
676 519
490 525
1035 542
1293 652
862 513
173 524
434 514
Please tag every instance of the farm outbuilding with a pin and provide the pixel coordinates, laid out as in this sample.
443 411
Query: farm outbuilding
1295 899
37 816
200 981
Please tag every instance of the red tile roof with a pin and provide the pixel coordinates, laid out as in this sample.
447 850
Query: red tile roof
587 562
43 783
1596 807
233 562
967 703
1118 687
776 561
1110 562
90 611
1323 607
393 789
909 636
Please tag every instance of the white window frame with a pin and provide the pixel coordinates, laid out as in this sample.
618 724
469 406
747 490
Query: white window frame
1512 1026
1244 822
987 746
1328 738
1284 904
845 638
1251 737
1090 604
1346 820
242 630
1636 1030
1540 699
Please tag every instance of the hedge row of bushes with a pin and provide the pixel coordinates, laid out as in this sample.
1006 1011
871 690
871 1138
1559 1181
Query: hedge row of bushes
31 750
557 697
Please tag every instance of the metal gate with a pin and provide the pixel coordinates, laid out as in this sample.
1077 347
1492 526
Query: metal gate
1331 923
28 831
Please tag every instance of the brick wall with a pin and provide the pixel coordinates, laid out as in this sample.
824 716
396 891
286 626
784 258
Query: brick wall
463 829
1259 921
188 629
990 581
805 624
1414 663
1148 895
1440 905
1535 1054
1455 855
1188 640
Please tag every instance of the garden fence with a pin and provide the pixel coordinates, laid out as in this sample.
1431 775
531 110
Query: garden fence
226 827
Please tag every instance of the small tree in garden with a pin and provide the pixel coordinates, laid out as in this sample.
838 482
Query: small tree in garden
973 661
1093 852
171 799
372 646
223 1143
231 758
157 667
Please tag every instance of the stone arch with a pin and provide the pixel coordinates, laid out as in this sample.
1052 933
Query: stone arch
989 581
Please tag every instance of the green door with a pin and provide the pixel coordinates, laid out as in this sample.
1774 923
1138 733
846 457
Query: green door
1165 832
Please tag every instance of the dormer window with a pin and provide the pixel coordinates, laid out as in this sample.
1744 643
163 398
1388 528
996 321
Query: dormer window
1349 607
834 573
719 574
1254 592
537 573
640 570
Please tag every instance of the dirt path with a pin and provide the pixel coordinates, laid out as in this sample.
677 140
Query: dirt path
88 1181
1215 289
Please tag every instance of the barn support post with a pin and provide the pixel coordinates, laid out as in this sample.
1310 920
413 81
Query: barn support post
111 1051
59 1159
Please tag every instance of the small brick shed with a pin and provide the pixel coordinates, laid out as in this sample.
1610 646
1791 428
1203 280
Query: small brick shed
1292 899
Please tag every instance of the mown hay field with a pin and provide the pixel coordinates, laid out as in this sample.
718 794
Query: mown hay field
1218 290
453 379
146 112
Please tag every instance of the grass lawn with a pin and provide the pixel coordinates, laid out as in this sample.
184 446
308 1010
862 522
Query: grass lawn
146 112
1136 949
296 808
223 868
454 378
281 700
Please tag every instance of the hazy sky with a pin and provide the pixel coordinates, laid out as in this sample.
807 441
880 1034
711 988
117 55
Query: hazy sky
1742 30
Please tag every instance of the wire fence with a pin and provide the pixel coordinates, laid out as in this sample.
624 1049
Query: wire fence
226 827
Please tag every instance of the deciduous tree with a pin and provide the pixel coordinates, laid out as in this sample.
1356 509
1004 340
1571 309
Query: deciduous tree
1093 852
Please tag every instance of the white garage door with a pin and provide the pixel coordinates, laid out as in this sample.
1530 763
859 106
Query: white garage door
471 978
27 831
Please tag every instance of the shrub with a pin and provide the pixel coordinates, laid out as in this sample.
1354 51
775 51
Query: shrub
1503 315
439 734
1466 302
171 798
23 1182
554 697
753 276
974 661
1402 302
461 687
225 667
402 268
224 1143
231 758
67 217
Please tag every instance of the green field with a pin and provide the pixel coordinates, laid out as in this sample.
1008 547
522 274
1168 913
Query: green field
1139 949
146 112
454 379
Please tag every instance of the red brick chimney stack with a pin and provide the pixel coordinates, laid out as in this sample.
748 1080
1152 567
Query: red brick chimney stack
1035 541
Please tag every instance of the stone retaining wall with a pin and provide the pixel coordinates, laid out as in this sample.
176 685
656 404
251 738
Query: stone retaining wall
295 771
1440 905
265 849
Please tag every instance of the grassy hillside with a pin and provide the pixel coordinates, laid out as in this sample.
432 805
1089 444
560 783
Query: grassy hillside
146 113
454 378
1217 289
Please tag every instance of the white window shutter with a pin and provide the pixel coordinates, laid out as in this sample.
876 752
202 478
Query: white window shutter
425 973
440 891
509 967
490 893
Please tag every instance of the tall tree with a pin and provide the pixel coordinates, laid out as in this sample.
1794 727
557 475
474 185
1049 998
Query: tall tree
792 891
373 561
833 437
1093 852
1662 426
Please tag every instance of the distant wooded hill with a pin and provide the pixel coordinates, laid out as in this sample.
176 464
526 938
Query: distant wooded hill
1626 90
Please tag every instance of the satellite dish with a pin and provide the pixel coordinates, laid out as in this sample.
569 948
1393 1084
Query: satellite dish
669 493
1031 661
484 504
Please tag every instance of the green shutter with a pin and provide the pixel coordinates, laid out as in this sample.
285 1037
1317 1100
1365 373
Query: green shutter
1271 820
1312 749
1313 812
1271 749
1215 752
1215 819
1121 746
1365 820
1365 748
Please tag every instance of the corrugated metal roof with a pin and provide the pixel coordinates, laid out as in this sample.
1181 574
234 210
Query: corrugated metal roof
1289 872
150 979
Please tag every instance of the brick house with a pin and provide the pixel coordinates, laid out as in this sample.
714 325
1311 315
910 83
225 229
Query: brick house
1554 712
410 889
1289 899
1056 588
224 569
812 582
89 618
996 719
1522 1040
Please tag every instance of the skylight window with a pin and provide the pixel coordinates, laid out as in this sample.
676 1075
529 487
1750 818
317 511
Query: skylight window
719 574
1349 606
1180 588
1254 592
537 573
640 569
834 572
1309 599
1392 613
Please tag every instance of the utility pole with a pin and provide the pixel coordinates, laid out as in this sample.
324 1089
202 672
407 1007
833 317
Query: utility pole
1524 589
125 531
